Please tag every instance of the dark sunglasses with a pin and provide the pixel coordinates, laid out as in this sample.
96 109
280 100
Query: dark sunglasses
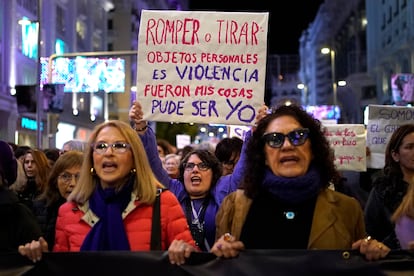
296 137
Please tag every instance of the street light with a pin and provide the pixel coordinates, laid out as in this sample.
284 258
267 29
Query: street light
304 89
326 51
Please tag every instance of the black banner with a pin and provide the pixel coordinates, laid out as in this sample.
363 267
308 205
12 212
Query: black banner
251 262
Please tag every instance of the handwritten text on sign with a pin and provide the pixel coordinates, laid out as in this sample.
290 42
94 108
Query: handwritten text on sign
202 67
383 120
348 143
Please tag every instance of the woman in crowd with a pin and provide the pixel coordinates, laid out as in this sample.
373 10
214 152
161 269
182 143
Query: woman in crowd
111 207
389 189
62 179
164 148
289 166
52 154
36 167
227 152
18 224
172 165
73 144
200 187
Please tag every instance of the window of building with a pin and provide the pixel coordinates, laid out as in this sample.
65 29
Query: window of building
396 7
29 5
81 30
60 21
389 18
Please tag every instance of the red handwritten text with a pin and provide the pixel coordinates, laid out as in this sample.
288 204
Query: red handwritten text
163 31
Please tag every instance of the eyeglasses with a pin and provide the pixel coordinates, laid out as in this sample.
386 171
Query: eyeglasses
296 137
67 177
201 166
117 147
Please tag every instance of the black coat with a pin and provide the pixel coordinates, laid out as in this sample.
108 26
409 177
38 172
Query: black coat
19 225
384 198
46 216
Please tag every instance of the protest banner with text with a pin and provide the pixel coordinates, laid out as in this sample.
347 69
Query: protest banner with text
383 120
349 144
201 67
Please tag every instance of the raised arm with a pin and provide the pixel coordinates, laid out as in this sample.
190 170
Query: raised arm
231 182
147 136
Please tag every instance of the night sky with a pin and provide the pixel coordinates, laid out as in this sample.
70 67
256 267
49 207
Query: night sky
287 20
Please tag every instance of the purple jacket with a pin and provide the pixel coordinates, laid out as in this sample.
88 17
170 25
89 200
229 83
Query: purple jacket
225 185
404 229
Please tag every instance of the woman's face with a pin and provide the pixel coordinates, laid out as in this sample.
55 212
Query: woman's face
29 165
172 166
114 164
405 155
67 180
197 181
288 160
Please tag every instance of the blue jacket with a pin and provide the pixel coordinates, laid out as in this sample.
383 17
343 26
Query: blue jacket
225 185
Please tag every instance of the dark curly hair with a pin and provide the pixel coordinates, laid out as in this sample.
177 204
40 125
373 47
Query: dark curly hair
323 157
207 157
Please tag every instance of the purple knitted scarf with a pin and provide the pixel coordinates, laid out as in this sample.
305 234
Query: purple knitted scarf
295 189
109 232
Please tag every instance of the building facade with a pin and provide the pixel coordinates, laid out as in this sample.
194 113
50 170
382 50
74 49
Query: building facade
94 29
372 41
340 26
65 27
390 36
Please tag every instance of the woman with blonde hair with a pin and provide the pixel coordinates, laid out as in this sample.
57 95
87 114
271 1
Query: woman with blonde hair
21 179
112 206
403 218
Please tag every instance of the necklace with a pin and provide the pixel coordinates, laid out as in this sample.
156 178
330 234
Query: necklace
196 215
289 215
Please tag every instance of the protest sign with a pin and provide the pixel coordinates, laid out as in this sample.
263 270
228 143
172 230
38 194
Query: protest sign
237 131
349 144
201 67
383 120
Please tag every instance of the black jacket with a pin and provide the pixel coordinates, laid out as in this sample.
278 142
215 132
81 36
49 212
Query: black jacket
46 216
19 225
384 198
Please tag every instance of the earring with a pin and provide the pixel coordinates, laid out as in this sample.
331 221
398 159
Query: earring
133 171
92 171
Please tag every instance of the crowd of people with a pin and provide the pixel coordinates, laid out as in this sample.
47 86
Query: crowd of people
126 189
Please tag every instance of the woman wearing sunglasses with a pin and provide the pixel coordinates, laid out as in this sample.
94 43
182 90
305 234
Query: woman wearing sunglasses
285 202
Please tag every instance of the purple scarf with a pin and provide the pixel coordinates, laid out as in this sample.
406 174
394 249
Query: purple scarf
109 232
295 189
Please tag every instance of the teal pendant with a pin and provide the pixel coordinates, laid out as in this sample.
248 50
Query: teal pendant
289 215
